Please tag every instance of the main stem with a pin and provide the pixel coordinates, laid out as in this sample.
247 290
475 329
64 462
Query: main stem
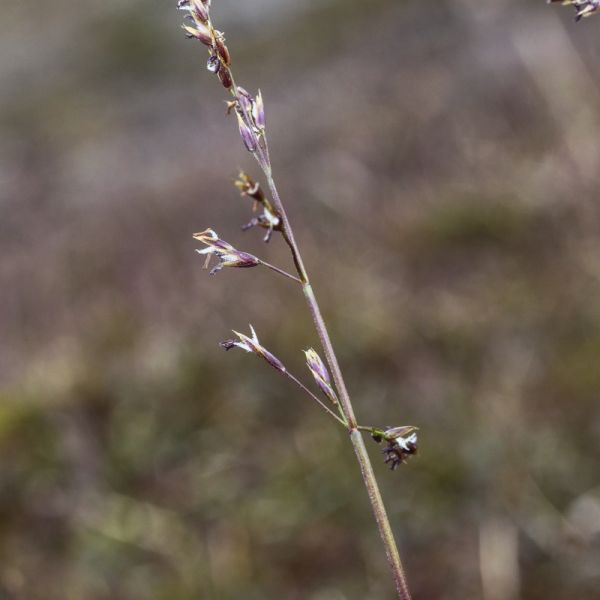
385 529
262 155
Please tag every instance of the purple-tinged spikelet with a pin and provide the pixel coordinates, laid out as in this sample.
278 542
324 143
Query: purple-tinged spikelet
225 252
200 32
251 344
246 134
320 374
401 444
258 112
270 219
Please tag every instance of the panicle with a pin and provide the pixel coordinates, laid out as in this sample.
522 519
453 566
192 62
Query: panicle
201 28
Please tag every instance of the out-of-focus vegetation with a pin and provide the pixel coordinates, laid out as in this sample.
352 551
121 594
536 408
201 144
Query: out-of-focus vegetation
440 161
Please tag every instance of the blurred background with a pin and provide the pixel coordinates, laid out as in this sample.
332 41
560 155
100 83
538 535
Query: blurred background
440 162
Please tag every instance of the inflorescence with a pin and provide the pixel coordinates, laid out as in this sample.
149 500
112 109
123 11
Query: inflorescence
250 113
401 444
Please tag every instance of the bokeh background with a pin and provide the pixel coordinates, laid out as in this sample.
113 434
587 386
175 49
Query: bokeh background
440 161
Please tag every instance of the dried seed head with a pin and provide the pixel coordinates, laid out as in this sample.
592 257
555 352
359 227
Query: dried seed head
251 344
270 219
401 444
320 374
249 187
228 255
223 51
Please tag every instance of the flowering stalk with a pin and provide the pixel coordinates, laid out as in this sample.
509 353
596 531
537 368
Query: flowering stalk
250 115
251 344
401 443
230 256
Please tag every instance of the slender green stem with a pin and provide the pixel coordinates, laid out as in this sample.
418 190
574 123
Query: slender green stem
360 450
371 430
385 529
262 156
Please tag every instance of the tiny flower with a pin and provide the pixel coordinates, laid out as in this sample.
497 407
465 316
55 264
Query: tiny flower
252 109
199 32
251 344
320 374
270 218
401 444
213 64
197 8
249 187
246 134
200 10
258 112
244 99
225 252
583 8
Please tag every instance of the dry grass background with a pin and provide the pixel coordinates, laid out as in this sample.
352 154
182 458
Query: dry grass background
440 162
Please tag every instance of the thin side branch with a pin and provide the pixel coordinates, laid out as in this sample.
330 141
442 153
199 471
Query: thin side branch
280 271
316 399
